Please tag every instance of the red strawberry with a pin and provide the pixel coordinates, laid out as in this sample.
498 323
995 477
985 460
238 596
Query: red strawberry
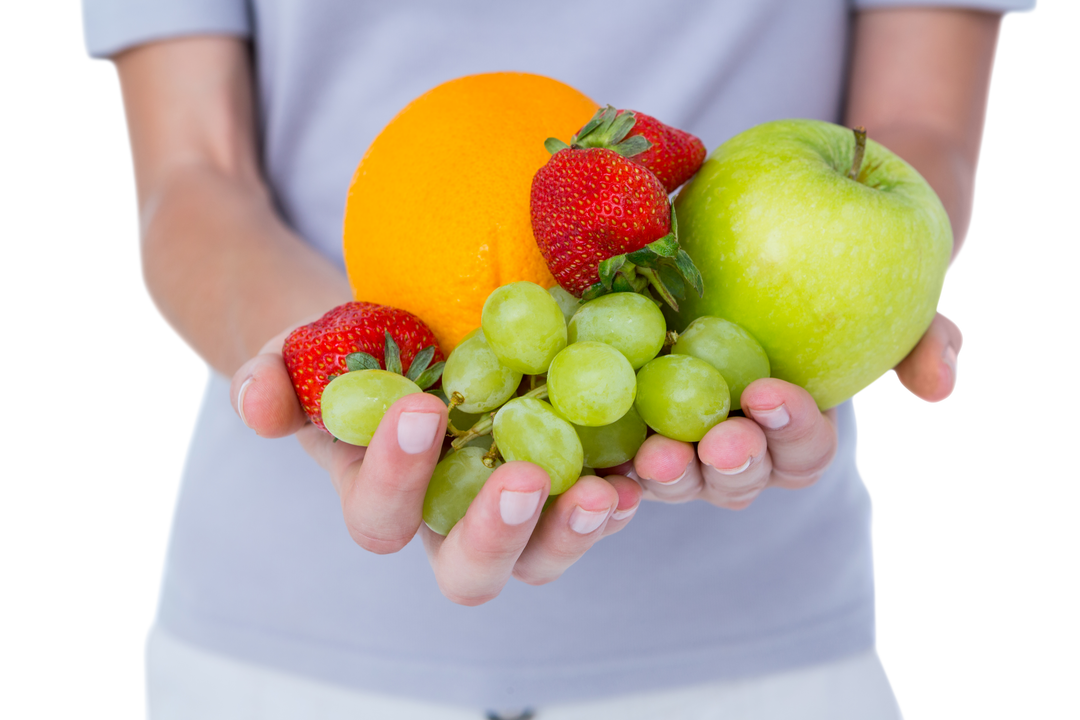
673 155
317 352
592 204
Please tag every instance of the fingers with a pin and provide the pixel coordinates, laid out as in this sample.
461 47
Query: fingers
801 439
929 371
262 395
735 463
668 470
382 497
473 562
593 508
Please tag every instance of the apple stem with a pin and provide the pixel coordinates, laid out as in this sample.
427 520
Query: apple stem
860 150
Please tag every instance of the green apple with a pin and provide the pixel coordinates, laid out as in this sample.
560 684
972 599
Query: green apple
836 277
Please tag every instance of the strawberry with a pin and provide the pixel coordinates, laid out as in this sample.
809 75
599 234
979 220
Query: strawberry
603 222
673 155
589 205
351 337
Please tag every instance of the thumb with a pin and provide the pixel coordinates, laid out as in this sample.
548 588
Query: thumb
262 394
929 370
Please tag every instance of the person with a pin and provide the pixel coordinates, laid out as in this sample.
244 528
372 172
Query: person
247 119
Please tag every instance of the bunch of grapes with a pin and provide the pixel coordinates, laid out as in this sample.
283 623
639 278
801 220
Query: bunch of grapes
574 386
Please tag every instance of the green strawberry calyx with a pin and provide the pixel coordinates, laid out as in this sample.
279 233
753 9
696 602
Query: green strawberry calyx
606 129
421 371
661 267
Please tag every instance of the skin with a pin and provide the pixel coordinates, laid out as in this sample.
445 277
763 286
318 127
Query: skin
919 85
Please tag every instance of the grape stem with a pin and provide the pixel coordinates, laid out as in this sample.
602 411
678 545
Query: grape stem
483 425
456 399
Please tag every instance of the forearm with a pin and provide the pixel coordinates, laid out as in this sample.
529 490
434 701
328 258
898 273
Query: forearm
219 262
225 270
919 83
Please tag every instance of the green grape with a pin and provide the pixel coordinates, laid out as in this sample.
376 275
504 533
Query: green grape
523 326
681 397
612 444
455 482
728 348
629 322
463 420
473 370
592 384
567 302
530 429
354 403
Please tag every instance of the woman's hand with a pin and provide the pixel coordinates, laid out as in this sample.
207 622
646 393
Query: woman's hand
382 486
784 440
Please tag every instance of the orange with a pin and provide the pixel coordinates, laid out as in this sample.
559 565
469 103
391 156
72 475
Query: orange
438 209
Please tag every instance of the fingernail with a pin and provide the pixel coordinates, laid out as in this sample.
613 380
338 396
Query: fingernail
623 514
672 482
949 357
632 474
518 507
584 521
240 399
773 419
735 470
416 431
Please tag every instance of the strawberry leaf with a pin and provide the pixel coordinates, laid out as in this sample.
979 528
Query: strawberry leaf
659 287
632 146
643 257
361 361
666 246
420 362
554 145
608 269
689 272
672 280
622 284
430 376
594 291
603 116
620 128
393 355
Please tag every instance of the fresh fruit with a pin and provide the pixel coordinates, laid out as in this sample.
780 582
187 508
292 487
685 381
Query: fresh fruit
592 204
672 155
681 397
473 372
567 302
591 384
438 211
530 429
454 484
524 327
629 322
316 352
599 217
728 348
353 404
832 260
611 445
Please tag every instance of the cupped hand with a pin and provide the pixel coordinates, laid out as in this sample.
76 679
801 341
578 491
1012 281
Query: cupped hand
506 532
784 440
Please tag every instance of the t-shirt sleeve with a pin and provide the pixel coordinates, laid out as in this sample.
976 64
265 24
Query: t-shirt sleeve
1000 6
114 25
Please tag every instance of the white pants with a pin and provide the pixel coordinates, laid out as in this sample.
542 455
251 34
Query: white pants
185 682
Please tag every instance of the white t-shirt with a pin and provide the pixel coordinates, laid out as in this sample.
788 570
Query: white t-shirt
261 566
